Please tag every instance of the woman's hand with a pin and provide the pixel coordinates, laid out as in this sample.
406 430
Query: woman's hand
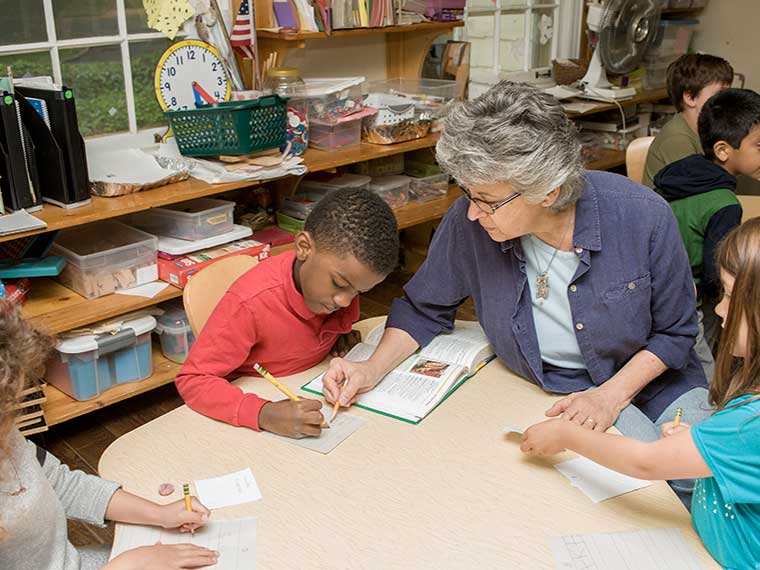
176 515
164 557
301 418
347 379
595 409
545 438
670 428
345 343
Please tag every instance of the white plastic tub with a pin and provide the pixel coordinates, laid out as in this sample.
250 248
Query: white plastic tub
175 334
192 220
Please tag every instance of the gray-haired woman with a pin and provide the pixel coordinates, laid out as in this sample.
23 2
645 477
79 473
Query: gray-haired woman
579 278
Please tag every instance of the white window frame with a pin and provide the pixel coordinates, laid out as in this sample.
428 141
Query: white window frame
567 16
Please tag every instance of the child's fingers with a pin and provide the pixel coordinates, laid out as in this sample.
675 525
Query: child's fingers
198 507
310 405
314 418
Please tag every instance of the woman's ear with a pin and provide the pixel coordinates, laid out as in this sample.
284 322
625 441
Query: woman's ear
550 198
304 245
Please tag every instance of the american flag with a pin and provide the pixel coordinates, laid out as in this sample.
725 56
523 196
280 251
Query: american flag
243 36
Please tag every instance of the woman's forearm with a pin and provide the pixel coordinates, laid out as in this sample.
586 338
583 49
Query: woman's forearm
395 346
639 371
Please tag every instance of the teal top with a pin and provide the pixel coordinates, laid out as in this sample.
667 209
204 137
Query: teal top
726 506
552 316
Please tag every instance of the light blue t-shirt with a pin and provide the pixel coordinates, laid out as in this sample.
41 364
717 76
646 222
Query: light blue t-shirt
726 507
552 317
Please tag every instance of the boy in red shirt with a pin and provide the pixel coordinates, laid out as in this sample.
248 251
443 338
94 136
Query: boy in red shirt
289 312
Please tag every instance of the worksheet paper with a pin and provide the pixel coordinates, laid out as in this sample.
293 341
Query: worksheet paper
647 549
596 481
340 429
235 541
228 490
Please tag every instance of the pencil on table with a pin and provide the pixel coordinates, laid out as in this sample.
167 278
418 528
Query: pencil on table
280 386
188 503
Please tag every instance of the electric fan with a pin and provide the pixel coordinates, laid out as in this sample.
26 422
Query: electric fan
620 32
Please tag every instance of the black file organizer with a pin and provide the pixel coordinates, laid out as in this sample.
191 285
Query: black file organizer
60 149
19 181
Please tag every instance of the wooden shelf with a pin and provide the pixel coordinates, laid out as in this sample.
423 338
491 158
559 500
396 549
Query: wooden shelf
641 97
61 407
58 309
420 212
412 28
606 158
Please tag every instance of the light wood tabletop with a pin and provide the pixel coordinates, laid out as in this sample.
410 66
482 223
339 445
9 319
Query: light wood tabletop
451 492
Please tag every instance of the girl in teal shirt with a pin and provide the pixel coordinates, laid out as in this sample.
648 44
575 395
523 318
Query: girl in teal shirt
724 450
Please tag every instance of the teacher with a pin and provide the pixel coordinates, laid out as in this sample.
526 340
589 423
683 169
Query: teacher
579 278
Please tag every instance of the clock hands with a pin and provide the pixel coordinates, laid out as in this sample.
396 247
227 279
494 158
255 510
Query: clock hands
201 95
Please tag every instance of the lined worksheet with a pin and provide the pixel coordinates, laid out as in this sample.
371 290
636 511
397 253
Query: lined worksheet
646 549
234 540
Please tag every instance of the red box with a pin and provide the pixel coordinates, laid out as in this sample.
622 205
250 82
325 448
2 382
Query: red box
179 271
16 291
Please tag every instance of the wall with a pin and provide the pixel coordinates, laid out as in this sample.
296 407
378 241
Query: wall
729 29
340 57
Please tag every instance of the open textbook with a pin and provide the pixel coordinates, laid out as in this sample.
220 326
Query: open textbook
416 386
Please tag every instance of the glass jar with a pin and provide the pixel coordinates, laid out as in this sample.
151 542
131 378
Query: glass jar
286 81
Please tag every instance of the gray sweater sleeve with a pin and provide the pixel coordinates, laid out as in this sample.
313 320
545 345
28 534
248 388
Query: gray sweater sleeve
84 497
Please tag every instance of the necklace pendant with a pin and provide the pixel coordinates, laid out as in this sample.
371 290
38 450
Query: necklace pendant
542 287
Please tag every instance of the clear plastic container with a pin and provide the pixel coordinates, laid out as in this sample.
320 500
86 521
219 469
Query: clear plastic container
393 189
428 188
382 166
289 223
329 99
397 120
332 136
300 205
193 220
324 182
672 39
430 94
174 332
286 81
85 366
105 256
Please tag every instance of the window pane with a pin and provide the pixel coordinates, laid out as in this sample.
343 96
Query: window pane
543 36
21 22
512 42
474 5
85 18
97 78
480 33
28 64
137 20
144 56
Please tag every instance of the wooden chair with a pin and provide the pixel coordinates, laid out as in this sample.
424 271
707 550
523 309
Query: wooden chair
207 287
636 157
750 206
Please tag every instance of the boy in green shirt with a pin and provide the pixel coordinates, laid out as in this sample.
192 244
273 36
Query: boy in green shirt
692 80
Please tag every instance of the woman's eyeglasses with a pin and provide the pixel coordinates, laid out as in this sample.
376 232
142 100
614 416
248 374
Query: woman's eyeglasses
488 207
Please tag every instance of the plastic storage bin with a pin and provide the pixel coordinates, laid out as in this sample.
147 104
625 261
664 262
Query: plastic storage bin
289 223
330 99
430 94
325 182
428 188
393 189
105 256
174 332
397 120
332 136
382 166
672 39
193 220
300 205
85 366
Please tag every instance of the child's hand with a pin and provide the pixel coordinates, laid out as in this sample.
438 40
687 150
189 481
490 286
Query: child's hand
164 557
345 343
670 428
292 419
545 438
176 515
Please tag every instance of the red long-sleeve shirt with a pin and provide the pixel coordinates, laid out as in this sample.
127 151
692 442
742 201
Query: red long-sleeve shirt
261 318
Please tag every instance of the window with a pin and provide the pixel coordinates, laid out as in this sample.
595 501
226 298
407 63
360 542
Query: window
519 38
102 49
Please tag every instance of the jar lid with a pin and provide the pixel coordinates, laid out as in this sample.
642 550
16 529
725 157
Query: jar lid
283 72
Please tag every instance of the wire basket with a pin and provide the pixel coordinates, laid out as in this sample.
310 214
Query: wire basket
234 128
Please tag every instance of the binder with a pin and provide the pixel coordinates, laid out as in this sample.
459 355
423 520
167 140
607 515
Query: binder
18 170
59 149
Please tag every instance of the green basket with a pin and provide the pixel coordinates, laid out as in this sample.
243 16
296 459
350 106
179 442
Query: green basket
234 128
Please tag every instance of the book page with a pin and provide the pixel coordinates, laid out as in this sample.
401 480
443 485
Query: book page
467 346
234 540
374 336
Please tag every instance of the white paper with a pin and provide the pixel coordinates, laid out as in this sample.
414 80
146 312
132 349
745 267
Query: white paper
578 107
647 549
126 166
509 428
228 490
234 540
20 221
149 290
340 429
596 481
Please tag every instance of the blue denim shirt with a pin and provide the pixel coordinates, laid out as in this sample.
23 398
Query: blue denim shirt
633 290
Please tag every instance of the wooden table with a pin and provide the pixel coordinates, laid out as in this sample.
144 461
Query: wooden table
451 492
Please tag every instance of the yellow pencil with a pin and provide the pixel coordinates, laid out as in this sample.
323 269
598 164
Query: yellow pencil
280 386
188 503
336 405
677 421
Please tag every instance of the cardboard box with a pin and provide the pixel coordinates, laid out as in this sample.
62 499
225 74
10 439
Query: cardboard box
179 271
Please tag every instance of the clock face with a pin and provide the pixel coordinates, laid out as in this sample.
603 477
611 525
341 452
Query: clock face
190 72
